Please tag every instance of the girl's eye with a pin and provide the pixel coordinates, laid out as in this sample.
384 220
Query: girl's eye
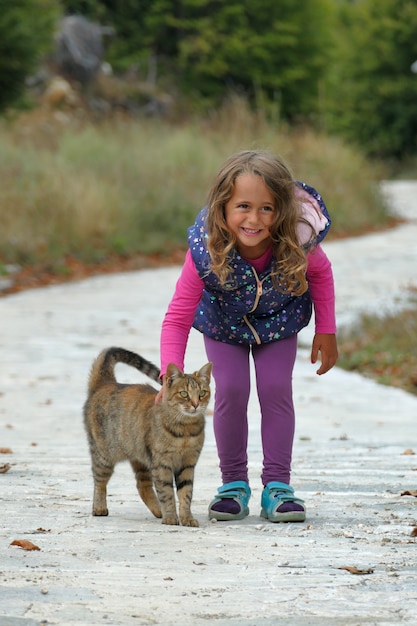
203 392
267 209
183 394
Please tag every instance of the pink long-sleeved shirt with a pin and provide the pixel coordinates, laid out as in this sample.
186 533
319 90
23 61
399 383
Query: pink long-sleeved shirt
181 310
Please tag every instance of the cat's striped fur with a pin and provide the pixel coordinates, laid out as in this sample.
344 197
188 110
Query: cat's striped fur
162 442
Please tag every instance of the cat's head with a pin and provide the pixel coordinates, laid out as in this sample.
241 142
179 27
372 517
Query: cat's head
188 393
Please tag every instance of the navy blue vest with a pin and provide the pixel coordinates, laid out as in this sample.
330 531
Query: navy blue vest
226 312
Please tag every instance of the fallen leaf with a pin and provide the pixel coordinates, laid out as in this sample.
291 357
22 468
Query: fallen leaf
46 402
409 451
168 578
4 468
414 532
42 530
24 544
355 570
410 492
5 451
198 563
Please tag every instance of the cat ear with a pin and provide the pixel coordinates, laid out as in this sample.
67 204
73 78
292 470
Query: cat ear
205 371
172 373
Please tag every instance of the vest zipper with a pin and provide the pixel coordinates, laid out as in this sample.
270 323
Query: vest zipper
258 290
255 334
257 297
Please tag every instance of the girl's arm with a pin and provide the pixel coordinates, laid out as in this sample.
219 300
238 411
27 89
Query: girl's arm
321 286
180 315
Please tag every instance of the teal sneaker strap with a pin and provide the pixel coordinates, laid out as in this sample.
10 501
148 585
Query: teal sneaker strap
282 487
233 489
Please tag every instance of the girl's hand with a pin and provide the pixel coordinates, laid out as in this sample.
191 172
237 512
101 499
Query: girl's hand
160 395
327 346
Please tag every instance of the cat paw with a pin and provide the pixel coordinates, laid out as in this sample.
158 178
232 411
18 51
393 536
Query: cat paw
100 511
189 521
156 511
171 520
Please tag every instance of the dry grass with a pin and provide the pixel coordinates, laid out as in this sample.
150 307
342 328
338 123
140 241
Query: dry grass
133 186
383 348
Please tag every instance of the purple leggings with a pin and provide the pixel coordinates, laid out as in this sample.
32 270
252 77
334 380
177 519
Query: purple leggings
274 363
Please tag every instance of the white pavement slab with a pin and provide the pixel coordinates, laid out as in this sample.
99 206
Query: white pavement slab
349 465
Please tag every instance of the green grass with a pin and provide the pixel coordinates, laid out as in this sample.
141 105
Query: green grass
133 186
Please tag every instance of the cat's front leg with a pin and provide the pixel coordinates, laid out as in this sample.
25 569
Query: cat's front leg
162 477
100 499
184 479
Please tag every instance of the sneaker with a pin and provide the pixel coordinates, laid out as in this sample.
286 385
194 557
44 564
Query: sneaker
280 505
231 502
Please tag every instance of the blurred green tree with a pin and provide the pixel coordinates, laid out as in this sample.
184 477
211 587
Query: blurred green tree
372 90
26 33
270 51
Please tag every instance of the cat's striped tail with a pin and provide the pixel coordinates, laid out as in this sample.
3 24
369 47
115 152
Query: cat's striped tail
102 370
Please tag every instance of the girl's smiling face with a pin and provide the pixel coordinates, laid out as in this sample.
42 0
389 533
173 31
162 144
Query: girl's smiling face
249 214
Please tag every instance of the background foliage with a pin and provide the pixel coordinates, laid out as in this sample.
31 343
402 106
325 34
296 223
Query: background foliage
26 33
269 49
373 92
341 66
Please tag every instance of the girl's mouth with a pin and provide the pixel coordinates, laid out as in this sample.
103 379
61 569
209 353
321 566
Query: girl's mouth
251 231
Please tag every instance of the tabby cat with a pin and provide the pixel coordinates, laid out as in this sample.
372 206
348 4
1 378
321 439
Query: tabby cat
162 442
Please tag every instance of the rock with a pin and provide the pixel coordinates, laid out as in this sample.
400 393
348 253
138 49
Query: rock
80 48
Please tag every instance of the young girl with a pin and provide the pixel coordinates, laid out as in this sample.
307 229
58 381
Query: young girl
252 272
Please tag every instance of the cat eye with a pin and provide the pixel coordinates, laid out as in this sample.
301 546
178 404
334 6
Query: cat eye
184 394
203 393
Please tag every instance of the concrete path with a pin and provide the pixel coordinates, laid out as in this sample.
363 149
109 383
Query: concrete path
350 465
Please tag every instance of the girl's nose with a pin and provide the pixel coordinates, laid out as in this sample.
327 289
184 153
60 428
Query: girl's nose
253 217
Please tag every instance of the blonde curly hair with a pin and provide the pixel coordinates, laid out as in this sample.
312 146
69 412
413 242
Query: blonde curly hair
289 269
